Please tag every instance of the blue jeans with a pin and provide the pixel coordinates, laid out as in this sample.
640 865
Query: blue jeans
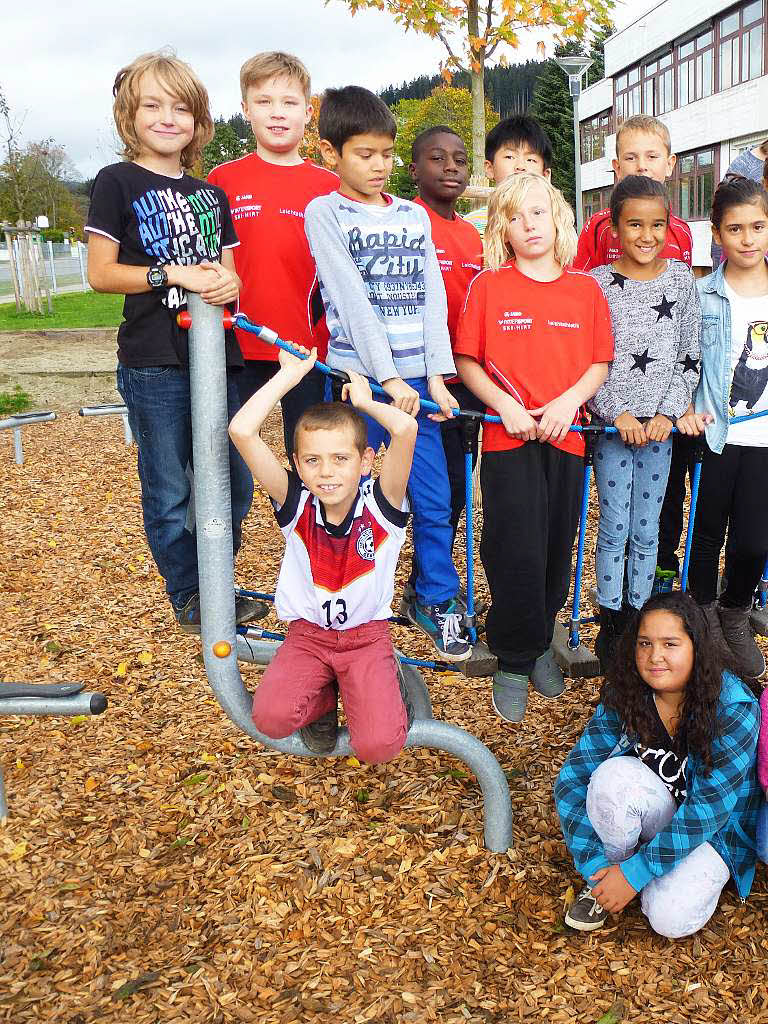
429 493
631 483
160 417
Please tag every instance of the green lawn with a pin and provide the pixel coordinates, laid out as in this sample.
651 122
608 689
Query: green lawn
73 309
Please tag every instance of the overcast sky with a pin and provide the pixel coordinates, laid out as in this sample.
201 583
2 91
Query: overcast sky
68 53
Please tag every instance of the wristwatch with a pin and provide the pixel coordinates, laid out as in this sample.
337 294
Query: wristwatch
157 277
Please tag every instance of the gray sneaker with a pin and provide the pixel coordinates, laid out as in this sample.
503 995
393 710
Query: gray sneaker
320 736
585 914
510 696
738 636
547 677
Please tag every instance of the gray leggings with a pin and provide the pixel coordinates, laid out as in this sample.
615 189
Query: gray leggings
627 805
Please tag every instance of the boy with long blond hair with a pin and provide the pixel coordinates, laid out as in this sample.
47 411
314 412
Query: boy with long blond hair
156 233
534 343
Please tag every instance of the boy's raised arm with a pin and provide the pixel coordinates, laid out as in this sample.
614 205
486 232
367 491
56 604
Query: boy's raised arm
402 429
248 421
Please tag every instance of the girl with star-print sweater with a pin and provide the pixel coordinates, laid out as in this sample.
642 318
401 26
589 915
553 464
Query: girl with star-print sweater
656 319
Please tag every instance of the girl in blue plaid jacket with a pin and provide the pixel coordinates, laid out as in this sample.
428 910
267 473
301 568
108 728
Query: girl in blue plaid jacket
660 794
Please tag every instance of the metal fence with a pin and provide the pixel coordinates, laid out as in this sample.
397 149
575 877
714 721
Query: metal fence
65 267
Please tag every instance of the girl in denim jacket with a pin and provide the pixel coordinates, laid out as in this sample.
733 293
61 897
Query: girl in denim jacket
734 383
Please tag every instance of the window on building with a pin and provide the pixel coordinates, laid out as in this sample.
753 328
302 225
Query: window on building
594 200
693 183
592 134
627 95
659 85
696 68
740 46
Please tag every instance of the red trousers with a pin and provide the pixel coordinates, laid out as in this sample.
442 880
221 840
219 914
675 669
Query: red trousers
298 686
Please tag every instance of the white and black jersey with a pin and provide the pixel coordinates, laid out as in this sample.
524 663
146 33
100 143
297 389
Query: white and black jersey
338 577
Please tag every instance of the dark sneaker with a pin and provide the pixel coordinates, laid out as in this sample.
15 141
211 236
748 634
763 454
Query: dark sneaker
247 609
509 696
663 581
547 676
320 736
443 624
738 636
409 709
585 914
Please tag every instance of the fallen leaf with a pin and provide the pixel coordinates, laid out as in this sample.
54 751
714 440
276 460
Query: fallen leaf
131 987
145 658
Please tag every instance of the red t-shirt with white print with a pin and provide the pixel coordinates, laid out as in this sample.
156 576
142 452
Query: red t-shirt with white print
534 339
273 259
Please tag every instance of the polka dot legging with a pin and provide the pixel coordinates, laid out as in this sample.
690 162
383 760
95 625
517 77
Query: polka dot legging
631 482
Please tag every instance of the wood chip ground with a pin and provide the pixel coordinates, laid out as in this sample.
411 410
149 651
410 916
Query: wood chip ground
158 866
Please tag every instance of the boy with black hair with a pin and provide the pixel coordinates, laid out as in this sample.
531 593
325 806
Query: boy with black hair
268 191
386 309
516 145
440 168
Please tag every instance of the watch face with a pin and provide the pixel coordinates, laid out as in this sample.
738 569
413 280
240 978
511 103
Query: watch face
157 277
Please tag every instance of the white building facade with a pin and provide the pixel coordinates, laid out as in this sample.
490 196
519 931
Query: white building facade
699 66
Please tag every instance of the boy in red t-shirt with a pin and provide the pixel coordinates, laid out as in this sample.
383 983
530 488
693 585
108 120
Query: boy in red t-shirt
534 343
643 146
440 168
268 192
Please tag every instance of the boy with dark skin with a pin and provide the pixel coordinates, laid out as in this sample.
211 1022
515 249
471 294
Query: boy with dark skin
440 168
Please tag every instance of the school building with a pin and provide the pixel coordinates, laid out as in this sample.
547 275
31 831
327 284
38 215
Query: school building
698 65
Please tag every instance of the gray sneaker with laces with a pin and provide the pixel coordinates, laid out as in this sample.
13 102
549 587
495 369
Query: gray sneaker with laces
585 914
444 626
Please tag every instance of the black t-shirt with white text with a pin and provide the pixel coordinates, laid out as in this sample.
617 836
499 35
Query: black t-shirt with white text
661 758
156 219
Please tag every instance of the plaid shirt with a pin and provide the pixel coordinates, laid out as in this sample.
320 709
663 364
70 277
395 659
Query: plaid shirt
721 807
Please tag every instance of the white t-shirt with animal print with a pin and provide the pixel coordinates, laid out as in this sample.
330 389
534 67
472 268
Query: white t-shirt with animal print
749 367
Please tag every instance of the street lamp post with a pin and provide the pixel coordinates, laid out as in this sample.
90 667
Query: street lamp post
574 67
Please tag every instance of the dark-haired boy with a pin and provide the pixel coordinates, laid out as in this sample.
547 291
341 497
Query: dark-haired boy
343 536
514 145
386 310
440 168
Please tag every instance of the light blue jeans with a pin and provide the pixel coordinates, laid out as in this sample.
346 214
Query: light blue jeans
631 482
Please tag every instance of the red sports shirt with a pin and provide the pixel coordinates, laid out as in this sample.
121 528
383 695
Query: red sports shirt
273 259
459 250
599 243
534 339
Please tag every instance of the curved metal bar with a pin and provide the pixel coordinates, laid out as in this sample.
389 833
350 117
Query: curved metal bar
217 601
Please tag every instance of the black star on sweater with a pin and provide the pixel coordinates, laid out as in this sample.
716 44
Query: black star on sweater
664 308
689 364
618 279
642 360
